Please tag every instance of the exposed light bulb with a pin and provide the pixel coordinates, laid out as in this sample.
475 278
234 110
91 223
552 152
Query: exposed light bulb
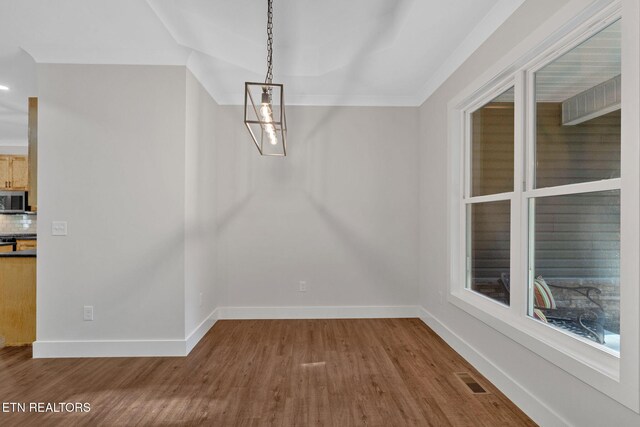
265 110
267 116
2 87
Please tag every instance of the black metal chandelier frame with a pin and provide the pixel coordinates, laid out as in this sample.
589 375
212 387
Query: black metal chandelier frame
264 107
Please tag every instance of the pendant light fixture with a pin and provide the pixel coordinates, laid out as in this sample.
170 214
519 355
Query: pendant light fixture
264 113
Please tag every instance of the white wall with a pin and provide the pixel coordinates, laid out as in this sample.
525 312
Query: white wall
549 394
200 191
112 164
19 149
165 195
339 212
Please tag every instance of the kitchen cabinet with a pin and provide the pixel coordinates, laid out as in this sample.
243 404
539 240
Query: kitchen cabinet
5 172
17 300
14 173
19 173
6 248
23 245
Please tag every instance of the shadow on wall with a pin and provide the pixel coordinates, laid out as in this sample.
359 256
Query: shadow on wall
372 260
240 160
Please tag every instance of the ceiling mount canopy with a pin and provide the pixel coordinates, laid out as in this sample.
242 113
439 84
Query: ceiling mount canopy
264 113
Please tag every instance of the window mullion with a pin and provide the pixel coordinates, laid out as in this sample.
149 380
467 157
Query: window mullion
518 287
467 129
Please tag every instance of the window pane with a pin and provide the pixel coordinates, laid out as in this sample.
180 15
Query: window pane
492 128
576 262
578 113
488 249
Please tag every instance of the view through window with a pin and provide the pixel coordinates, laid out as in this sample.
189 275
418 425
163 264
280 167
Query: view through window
489 234
574 265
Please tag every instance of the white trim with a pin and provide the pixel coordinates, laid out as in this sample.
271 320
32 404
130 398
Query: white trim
125 348
319 312
572 353
169 348
200 331
518 294
499 197
580 188
565 24
108 348
498 89
580 33
529 403
630 201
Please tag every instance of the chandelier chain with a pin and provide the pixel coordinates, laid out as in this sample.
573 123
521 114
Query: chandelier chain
269 77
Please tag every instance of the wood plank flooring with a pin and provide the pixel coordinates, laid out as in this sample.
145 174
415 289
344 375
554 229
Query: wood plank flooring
361 372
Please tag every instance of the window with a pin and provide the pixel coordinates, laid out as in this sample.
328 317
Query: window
492 127
576 263
574 277
570 224
544 206
488 221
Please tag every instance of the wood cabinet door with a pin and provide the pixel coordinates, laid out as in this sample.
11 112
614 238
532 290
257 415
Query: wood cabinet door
19 173
23 245
5 175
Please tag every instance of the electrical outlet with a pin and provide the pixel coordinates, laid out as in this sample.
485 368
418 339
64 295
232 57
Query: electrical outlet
59 228
88 313
302 286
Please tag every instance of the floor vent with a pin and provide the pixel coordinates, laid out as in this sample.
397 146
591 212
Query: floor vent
471 382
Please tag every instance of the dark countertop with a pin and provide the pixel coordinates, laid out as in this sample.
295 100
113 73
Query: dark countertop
19 236
28 253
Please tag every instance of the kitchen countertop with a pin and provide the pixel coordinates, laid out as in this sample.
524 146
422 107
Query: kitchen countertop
19 236
27 253
6 243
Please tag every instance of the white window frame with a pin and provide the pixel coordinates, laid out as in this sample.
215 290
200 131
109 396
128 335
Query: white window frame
616 375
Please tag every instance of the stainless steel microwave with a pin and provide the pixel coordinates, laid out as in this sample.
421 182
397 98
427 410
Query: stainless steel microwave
13 201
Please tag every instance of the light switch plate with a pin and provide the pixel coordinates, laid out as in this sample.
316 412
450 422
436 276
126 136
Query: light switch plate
59 228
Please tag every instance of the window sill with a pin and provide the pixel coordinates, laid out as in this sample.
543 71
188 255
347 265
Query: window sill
595 365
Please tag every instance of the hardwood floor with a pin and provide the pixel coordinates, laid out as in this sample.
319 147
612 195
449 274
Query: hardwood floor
374 372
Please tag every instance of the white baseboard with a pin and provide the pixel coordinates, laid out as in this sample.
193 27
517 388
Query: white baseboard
114 348
200 331
530 404
321 312
170 348
143 348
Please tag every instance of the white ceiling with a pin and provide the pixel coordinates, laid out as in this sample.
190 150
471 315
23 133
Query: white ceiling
17 71
331 52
